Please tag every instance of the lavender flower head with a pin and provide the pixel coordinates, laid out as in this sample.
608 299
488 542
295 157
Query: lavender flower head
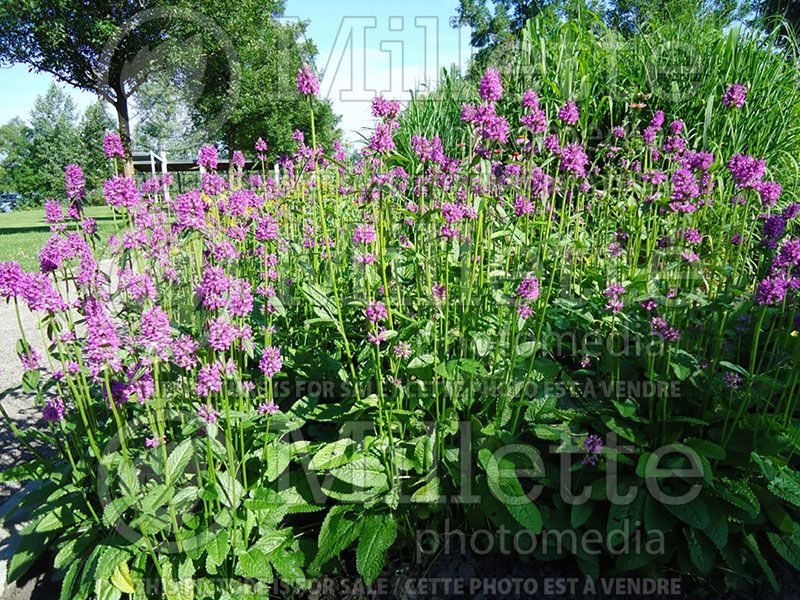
569 114
112 145
593 446
54 410
237 159
491 87
735 96
268 408
530 99
76 187
207 157
120 191
307 82
271 361
53 213
207 413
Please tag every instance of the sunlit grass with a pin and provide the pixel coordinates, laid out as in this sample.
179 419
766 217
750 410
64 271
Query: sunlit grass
22 233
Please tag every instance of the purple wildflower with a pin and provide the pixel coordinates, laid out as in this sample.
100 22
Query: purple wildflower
207 413
207 157
735 96
364 234
120 191
376 311
268 408
491 86
271 361
156 331
54 410
209 379
569 113
112 145
307 82
76 187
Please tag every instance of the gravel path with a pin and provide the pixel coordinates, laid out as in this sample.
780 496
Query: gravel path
23 413
18 405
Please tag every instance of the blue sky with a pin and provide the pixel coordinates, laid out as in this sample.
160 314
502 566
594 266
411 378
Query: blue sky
365 47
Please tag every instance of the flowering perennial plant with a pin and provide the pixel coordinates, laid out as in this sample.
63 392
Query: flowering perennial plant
203 376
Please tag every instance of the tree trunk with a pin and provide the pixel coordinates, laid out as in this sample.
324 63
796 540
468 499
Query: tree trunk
121 105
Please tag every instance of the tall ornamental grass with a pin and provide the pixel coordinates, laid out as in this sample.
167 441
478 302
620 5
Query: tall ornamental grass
681 68
258 382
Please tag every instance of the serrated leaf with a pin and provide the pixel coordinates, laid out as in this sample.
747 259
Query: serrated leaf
378 534
178 460
507 489
332 455
753 544
701 550
230 488
364 471
787 546
217 547
110 557
428 493
694 513
68 583
338 531
278 456
30 547
289 566
254 564
122 580
116 508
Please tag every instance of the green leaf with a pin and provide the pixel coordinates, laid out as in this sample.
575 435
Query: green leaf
507 489
701 550
289 566
338 531
332 455
30 547
122 580
178 460
116 508
110 558
483 343
69 581
786 485
321 303
30 381
738 494
428 493
177 589
364 471
753 544
254 564
378 534
27 471
717 528
580 513
278 456
694 513
217 548
232 490
787 546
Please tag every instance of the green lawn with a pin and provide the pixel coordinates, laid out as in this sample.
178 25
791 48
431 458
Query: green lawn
22 233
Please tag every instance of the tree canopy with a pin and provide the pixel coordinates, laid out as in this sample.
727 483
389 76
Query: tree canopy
218 53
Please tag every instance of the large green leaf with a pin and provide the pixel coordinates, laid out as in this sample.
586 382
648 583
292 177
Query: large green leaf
332 455
507 489
338 531
378 534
